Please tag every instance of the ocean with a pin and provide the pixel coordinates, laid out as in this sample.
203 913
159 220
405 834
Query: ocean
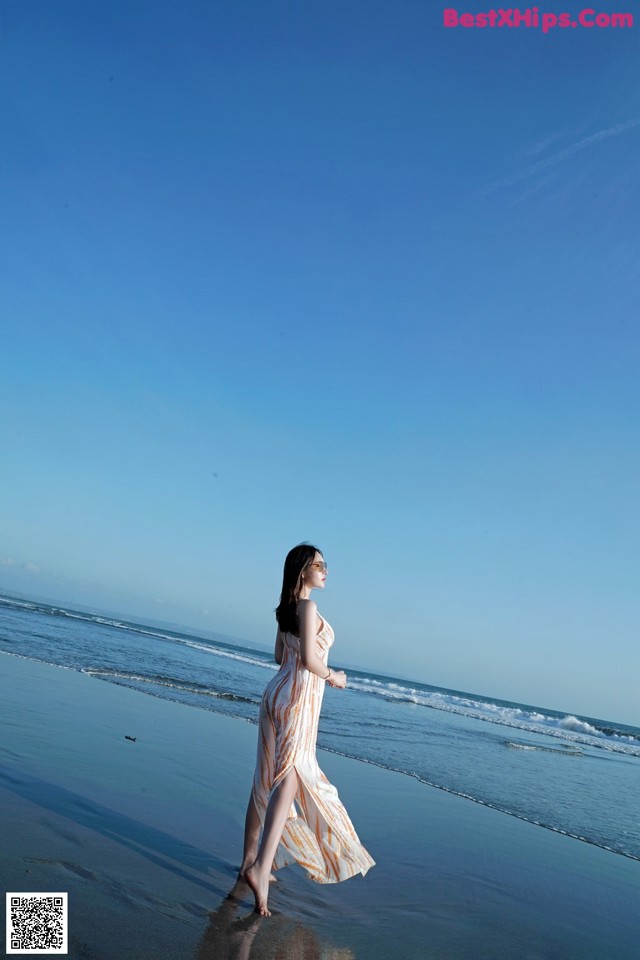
579 776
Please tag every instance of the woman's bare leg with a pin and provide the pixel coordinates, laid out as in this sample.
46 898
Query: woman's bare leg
257 875
252 827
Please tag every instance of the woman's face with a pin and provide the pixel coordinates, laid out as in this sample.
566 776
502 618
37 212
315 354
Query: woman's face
316 573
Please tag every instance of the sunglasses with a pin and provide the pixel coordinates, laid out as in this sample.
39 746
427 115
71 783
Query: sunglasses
321 565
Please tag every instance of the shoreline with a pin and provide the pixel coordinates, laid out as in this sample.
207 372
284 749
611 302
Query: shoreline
146 837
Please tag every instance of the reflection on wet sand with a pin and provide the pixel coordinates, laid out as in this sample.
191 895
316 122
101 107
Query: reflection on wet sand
235 932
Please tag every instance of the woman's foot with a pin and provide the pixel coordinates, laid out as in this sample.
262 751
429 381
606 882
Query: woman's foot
259 883
245 866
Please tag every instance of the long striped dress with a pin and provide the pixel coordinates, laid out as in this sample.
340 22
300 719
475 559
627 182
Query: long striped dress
318 833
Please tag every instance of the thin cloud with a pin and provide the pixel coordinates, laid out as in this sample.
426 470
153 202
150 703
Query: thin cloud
28 566
530 191
561 155
534 149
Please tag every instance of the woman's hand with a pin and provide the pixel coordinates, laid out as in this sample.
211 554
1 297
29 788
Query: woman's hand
338 678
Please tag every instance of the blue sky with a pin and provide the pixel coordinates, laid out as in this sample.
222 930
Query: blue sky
282 272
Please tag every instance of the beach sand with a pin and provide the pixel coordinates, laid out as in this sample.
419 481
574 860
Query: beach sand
146 838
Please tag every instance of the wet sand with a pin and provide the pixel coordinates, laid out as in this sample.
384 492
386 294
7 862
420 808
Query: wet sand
146 837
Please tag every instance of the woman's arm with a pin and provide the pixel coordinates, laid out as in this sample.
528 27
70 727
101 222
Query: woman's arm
279 651
308 617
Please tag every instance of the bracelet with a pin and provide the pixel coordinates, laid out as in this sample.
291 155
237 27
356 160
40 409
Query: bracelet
328 676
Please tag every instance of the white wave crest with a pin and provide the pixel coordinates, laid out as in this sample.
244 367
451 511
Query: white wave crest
579 726
569 728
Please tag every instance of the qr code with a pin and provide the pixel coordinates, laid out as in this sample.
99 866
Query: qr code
37 922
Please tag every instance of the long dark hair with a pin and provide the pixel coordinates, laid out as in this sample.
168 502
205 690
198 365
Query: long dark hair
297 561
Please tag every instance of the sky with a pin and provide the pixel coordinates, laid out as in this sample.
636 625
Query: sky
331 272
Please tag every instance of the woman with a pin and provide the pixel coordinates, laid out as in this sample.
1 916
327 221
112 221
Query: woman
292 801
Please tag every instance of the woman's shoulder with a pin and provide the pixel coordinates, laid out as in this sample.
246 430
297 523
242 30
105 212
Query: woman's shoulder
306 604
